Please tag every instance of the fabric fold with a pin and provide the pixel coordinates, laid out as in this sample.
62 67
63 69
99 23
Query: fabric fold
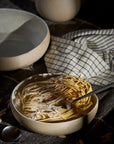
86 55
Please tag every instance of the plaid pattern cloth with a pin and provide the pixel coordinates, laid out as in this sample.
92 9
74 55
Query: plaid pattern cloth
86 52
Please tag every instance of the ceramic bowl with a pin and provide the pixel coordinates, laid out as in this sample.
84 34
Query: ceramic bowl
24 38
57 129
58 10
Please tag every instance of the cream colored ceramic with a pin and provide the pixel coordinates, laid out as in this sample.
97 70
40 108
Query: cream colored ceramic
24 38
58 129
58 10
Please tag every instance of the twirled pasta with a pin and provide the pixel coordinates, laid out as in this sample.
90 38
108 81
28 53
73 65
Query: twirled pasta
44 100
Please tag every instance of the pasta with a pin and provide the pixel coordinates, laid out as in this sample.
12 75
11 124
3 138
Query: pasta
44 100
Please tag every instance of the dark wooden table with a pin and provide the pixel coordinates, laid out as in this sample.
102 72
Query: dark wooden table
99 131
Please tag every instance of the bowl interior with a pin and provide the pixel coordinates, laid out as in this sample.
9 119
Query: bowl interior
20 32
16 100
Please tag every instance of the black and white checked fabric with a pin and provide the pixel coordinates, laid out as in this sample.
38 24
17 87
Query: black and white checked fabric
86 52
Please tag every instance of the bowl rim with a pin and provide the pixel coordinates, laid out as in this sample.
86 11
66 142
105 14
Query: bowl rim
36 17
49 123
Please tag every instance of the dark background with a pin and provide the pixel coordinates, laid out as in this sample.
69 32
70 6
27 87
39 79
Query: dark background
98 12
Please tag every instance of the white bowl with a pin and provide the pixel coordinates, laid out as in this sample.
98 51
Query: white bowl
24 38
58 129
58 10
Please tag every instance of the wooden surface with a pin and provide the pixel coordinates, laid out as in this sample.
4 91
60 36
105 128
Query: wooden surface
101 129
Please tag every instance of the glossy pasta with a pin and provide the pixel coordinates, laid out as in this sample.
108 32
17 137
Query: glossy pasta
44 100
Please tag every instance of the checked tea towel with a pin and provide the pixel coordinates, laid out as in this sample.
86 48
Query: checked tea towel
86 52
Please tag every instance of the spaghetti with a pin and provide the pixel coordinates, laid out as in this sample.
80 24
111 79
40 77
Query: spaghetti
44 100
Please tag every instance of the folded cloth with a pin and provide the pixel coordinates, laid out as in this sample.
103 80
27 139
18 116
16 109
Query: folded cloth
86 52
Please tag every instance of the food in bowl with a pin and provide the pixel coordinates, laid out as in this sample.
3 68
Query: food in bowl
44 100
63 124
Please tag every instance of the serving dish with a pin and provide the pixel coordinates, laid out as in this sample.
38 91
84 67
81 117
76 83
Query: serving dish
24 38
48 128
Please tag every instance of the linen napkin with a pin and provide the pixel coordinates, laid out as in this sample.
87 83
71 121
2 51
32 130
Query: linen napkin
89 53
